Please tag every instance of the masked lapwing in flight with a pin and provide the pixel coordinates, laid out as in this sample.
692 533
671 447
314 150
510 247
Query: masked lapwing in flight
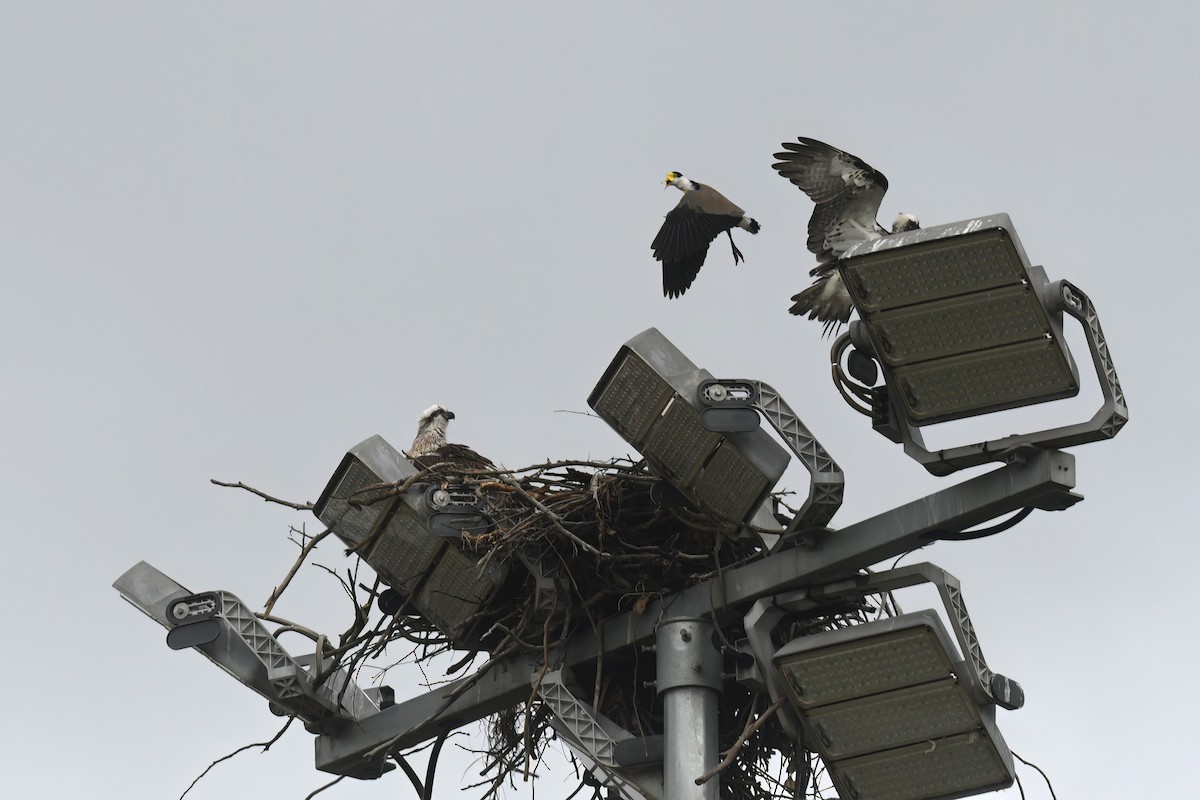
847 192
702 215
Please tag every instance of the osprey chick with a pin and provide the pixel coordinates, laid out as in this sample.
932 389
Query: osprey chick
682 243
430 447
847 192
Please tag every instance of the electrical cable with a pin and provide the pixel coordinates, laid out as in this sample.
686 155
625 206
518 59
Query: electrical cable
410 772
980 533
431 766
841 384
1039 769
861 391
906 553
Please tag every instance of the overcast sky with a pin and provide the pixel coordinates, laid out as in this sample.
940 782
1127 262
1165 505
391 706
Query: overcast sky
238 238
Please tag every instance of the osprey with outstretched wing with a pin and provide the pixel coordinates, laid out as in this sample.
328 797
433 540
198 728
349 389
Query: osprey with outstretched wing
430 447
847 192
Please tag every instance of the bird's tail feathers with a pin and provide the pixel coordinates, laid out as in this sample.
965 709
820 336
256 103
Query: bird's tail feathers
826 301
750 224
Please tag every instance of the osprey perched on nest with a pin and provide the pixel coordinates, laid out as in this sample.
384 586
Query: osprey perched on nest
430 447
682 243
847 192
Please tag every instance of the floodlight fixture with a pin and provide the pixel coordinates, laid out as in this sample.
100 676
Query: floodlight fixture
648 395
962 325
884 706
703 436
892 708
408 531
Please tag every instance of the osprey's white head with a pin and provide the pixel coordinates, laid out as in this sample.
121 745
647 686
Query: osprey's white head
431 430
905 222
677 180
434 410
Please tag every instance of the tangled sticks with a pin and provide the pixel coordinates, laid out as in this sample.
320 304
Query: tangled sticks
581 542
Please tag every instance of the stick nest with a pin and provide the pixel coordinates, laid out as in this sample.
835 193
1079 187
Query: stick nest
582 542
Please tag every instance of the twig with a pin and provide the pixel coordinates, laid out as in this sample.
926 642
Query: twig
264 745
580 413
263 495
555 520
320 789
287 625
732 754
304 551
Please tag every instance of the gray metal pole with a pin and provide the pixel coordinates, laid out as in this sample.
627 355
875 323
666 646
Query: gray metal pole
689 677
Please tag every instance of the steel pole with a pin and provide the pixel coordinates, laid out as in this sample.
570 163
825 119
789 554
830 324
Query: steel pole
688 679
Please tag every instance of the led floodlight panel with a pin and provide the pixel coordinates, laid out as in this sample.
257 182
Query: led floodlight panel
955 318
650 396
395 535
885 705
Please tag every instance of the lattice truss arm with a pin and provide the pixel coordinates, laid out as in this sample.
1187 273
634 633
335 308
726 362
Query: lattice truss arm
1080 306
828 483
238 642
595 736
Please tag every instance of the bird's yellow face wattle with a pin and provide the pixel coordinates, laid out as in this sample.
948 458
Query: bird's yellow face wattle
671 178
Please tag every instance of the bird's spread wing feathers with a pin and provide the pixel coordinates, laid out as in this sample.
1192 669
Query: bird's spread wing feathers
840 224
847 192
823 172
682 244
679 275
686 231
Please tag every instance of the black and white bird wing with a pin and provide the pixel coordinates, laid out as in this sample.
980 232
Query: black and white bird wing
689 228
840 224
847 192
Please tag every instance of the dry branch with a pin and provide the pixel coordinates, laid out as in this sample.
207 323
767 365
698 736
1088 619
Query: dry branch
287 579
264 745
263 495
323 787
732 754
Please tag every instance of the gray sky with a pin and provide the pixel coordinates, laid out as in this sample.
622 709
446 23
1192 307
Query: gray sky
236 239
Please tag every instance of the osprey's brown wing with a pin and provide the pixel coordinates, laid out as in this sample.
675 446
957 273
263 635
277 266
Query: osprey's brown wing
847 192
454 456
